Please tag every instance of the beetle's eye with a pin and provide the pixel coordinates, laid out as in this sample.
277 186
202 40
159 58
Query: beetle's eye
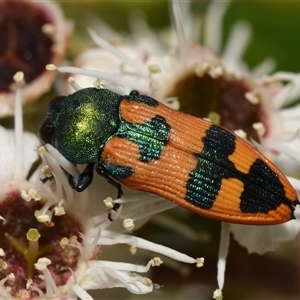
46 132
134 93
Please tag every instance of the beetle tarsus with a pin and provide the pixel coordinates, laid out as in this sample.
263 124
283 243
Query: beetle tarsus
115 208
102 172
71 182
47 178
84 180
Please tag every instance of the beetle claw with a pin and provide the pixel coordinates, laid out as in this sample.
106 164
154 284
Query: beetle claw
84 180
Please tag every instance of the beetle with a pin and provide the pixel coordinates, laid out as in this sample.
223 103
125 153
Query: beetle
138 141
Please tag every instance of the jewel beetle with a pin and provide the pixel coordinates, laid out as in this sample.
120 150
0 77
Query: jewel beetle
140 142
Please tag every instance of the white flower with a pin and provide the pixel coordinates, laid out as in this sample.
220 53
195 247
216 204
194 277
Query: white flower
50 244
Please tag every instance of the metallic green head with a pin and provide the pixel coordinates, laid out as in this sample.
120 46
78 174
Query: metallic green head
79 125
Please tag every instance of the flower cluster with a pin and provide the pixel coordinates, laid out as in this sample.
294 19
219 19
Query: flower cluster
52 237
50 243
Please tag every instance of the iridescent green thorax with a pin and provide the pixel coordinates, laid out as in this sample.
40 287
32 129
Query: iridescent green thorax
78 125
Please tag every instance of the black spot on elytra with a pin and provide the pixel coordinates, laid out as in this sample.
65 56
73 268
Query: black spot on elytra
262 192
150 137
118 172
135 96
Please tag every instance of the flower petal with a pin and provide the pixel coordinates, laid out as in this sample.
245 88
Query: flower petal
7 151
104 277
261 239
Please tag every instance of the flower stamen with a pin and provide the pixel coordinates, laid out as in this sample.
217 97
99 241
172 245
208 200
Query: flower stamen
42 265
223 251
48 29
154 68
10 276
260 128
199 262
252 97
201 69
25 196
241 133
218 294
41 217
47 171
73 83
59 211
97 83
125 59
133 250
214 117
34 194
157 261
109 202
3 265
128 224
19 159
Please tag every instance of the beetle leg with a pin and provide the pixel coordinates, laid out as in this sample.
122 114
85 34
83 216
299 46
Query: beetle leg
103 172
47 178
84 180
